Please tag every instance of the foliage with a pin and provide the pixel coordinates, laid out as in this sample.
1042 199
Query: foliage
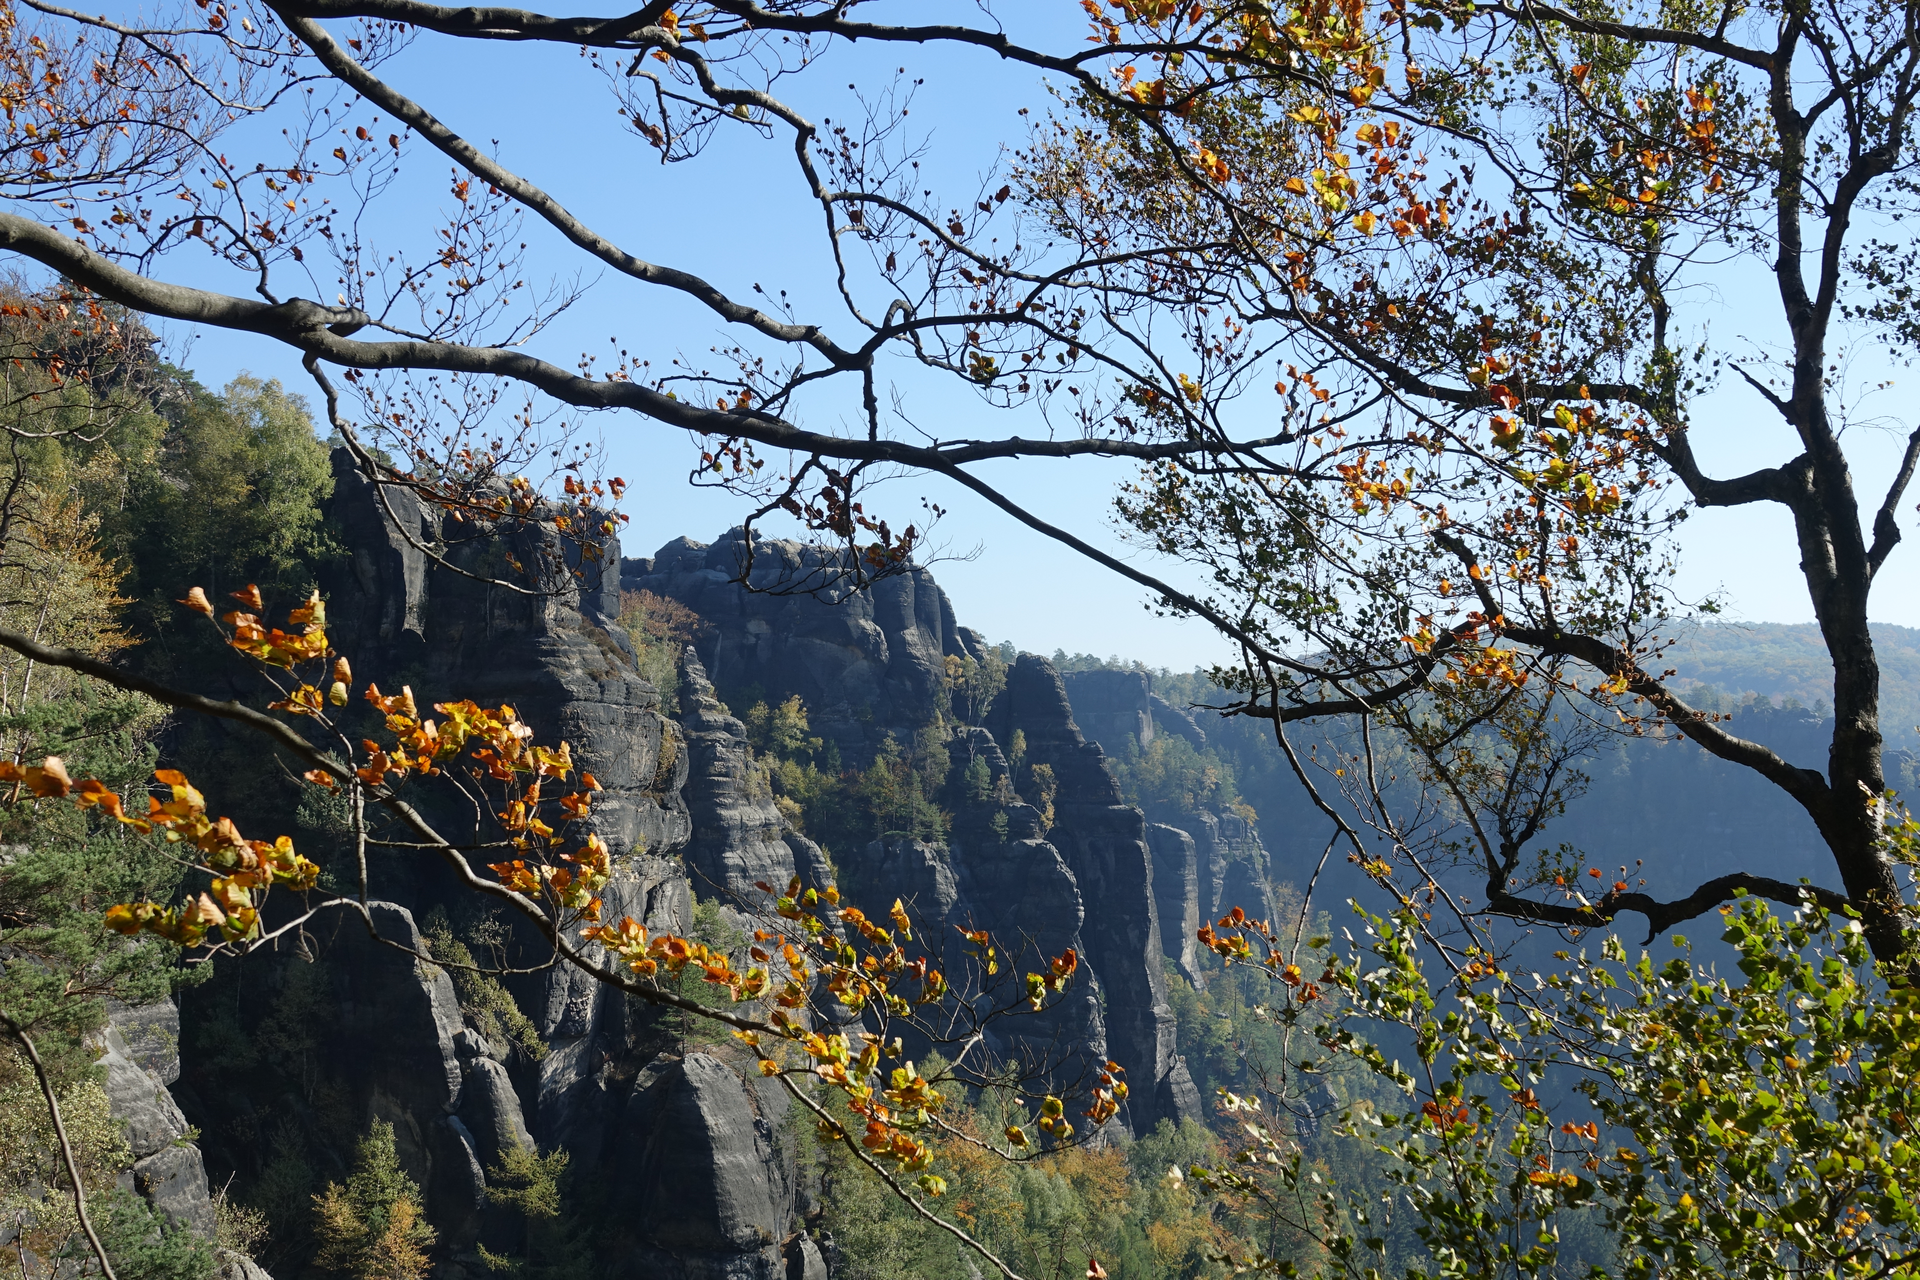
1663 1120
893 797
660 627
63 868
780 731
231 496
1171 774
1129 1206
537 1188
36 1198
147 1245
973 684
487 1004
373 1227
239 1228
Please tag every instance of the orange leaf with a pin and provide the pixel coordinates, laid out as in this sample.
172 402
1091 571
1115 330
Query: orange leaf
197 601
49 778
250 597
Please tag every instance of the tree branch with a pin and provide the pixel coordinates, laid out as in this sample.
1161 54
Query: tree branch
19 1033
1714 44
483 166
325 332
1661 916
1807 786
1886 530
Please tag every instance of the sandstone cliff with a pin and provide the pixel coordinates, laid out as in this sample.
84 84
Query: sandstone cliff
689 1154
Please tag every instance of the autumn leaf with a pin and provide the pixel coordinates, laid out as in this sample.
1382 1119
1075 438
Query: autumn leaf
196 600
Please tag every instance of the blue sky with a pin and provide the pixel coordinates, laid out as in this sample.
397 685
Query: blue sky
735 217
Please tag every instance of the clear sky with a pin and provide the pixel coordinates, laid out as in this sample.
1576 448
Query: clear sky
735 216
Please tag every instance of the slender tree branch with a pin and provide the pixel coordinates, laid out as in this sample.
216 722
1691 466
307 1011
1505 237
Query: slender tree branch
483 166
325 332
1661 916
1808 786
1715 44
19 1033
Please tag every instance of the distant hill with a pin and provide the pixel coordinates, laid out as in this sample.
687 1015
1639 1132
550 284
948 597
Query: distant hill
1720 664
1787 662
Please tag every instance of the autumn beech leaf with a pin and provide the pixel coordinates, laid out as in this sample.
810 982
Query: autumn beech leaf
303 701
249 597
196 600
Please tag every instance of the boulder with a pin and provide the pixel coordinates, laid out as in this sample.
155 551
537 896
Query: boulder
706 1190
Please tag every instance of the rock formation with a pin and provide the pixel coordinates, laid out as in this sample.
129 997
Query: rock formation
865 663
1231 866
738 833
688 1149
872 664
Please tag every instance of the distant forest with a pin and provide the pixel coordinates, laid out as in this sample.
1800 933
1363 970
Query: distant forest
1726 663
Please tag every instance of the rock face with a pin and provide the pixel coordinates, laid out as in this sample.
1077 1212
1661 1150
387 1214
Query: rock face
140 1054
1176 892
738 834
1232 867
686 1146
1235 870
383 1034
875 664
866 664
712 1190
1104 843
1113 708
167 1170
554 656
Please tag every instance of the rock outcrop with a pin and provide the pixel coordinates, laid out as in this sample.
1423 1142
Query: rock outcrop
875 664
867 664
140 1056
552 654
1232 866
712 1191
685 1145
168 1170
1104 842
383 1034
1176 892
738 833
